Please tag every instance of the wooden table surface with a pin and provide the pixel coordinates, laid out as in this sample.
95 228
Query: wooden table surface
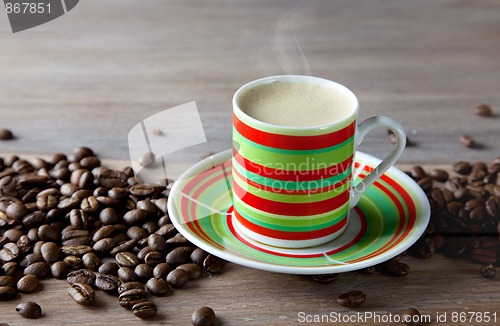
89 76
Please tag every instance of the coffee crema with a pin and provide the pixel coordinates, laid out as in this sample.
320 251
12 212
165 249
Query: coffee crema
295 104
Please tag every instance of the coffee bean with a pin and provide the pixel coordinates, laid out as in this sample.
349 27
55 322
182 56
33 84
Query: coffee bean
158 287
394 268
130 286
110 268
167 231
126 274
484 256
9 252
411 316
198 256
104 232
351 299
10 268
126 259
59 270
483 110
474 203
89 205
213 264
30 259
493 207
194 270
73 262
13 235
104 245
177 278
50 252
16 210
467 140
203 316
29 310
179 256
154 258
123 246
425 183
39 269
324 278
127 299
107 283
82 276
6 134
161 270
157 242
462 167
76 250
135 216
7 293
488 271
439 175
142 190
144 310
82 293
47 232
7 280
75 238
68 204
91 261
27 284
143 271
417 172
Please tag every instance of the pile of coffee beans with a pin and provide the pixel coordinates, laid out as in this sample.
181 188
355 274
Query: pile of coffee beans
465 213
70 218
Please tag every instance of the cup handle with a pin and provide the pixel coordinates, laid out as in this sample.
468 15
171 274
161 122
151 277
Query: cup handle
365 127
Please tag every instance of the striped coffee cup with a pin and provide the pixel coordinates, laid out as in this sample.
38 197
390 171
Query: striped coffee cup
292 161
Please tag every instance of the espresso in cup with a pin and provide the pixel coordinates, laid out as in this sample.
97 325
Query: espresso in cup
295 104
294 141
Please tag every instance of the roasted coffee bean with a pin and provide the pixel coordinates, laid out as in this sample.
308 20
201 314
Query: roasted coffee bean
424 248
7 293
127 245
27 284
179 256
40 269
204 316
394 268
10 268
90 162
143 271
24 244
30 259
6 134
142 190
154 258
158 287
177 278
105 231
484 256
324 278
34 219
16 211
161 270
167 231
75 238
110 268
59 270
107 283
104 245
351 299
112 179
126 259
130 286
29 310
417 173
73 262
467 140
91 261
157 242
439 175
7 280
213 264
47 232
425 183
194 270
68 204
462 167
136 232
488 271
411 316
9 252
493 207
50 252
81 276
135 216
89 205
474 203
483 110
127 274
13 235
129 298
198 256
77 250
144 310
82 293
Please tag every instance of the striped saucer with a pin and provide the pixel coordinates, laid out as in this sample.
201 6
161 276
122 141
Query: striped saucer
391 215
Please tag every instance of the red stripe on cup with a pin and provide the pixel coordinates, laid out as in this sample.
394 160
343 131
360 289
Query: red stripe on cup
291 209
284 235
294 142
292 175
291 191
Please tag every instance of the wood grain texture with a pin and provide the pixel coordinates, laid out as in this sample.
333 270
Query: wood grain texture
91 75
